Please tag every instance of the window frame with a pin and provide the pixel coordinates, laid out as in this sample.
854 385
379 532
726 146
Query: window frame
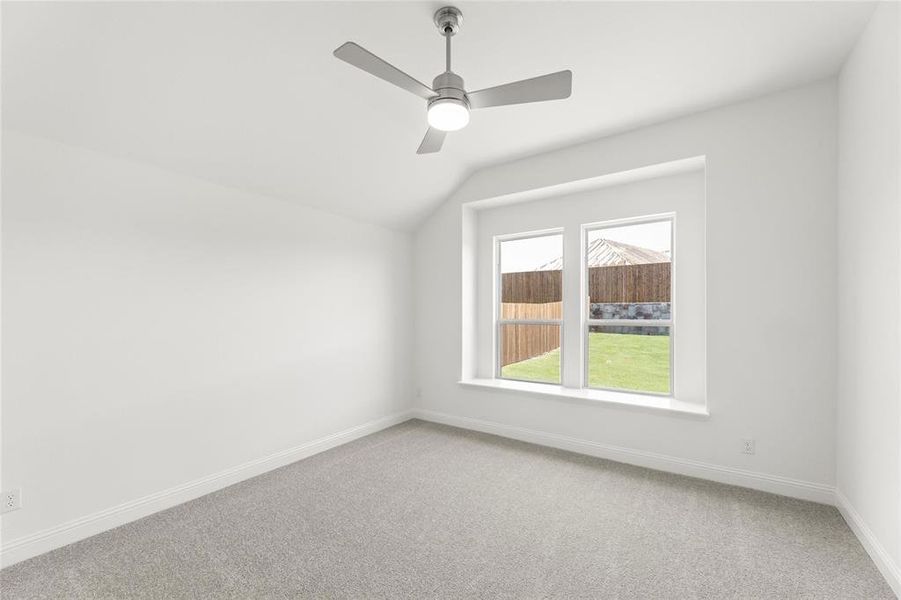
585 321
588 322
498 322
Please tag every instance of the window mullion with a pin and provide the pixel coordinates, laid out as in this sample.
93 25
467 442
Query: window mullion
571 375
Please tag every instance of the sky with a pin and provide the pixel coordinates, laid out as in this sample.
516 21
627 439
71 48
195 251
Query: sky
530 253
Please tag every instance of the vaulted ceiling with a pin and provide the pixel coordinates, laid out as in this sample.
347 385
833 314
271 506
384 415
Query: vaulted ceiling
249 95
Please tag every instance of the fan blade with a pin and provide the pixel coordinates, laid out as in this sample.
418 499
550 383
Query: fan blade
554 86
364 59
432 141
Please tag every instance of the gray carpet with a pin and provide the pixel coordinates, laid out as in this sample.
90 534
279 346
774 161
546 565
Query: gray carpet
427 511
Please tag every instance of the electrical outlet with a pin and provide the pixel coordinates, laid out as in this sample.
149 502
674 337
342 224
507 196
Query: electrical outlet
748 446
11 500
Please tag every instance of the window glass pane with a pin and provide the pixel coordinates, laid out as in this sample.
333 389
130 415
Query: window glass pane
530 352
531 285
630 271
629 358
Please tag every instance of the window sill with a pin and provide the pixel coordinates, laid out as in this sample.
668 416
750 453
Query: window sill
624 399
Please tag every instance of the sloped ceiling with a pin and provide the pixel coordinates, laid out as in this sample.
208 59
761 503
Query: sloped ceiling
249 94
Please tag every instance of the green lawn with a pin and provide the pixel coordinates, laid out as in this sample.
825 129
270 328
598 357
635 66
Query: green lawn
623 361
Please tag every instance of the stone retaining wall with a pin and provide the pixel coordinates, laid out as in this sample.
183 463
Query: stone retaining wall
637 311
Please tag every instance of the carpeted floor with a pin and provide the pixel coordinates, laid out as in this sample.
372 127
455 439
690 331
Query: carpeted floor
427 511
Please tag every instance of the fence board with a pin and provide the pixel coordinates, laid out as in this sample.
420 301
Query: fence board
521 342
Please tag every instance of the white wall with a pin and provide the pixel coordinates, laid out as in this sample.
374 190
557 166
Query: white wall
771 198
869 283
158 329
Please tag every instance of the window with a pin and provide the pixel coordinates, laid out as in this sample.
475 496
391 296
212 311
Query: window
629 320
529 312
626 275
598 295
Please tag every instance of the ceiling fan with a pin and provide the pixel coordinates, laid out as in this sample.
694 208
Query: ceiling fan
447 100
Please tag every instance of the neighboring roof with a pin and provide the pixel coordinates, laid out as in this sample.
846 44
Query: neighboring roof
607 253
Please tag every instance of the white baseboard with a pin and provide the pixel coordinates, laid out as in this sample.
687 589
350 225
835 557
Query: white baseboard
78 529
880 556
805 490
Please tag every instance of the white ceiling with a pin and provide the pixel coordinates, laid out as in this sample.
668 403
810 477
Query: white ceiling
249 94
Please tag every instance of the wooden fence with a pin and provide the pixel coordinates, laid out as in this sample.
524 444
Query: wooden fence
630 283
528 310
532 287
520 342
627 283
538 295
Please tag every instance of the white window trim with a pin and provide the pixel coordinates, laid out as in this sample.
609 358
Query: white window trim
640 402
591 196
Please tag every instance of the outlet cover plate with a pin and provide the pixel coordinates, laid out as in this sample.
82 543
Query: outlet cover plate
11 500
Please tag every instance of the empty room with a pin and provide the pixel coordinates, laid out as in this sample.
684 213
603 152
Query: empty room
422 300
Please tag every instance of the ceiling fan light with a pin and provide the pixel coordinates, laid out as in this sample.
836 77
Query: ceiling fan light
448 114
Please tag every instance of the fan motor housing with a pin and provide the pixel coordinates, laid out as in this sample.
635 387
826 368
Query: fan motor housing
449 85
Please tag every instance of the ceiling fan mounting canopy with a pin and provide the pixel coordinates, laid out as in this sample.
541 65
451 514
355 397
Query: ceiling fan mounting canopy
447 101
448 20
